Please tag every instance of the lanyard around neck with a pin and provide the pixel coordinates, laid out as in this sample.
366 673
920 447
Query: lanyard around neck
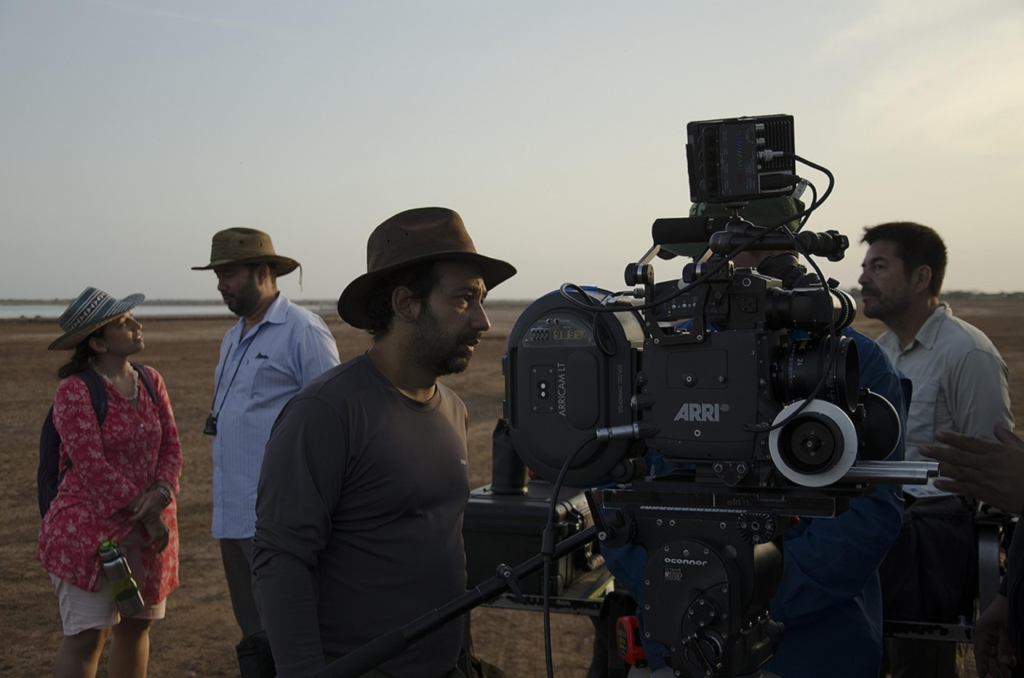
216 387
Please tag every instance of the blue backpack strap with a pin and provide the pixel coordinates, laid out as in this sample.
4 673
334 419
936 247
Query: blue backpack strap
97 392
147 380
50 474
47 477
98 397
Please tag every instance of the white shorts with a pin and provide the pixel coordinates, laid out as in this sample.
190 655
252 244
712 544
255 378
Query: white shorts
81 610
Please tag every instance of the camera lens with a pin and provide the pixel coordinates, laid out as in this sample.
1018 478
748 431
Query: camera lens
801 366
808 308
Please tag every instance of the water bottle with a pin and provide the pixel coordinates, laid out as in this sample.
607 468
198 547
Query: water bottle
115 568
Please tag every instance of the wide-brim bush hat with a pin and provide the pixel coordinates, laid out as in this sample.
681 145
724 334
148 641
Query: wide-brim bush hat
246 246
761 212
411 237
90 311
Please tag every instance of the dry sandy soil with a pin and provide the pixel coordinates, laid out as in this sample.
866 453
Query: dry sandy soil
199 634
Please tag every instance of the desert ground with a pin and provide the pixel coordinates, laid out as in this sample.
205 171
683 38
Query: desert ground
199 634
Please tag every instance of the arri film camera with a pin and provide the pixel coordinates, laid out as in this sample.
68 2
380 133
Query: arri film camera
737 384
740 379
712 366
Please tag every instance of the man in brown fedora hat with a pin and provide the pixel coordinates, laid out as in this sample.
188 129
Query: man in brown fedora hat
364 483
274 349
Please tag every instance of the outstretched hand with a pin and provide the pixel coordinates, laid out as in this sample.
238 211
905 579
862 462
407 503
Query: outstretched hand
989 470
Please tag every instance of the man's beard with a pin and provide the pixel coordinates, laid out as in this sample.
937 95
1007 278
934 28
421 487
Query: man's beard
884 308
438 350
246 300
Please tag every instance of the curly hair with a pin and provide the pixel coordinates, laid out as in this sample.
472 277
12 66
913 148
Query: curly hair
419 278
80 358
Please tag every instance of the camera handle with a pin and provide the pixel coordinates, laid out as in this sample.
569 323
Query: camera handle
396 641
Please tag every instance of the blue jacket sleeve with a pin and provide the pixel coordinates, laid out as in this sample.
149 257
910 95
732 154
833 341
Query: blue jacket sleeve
828 561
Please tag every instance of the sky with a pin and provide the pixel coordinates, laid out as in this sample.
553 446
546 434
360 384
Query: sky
130 132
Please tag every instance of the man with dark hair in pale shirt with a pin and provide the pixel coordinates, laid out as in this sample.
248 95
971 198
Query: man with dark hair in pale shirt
959 384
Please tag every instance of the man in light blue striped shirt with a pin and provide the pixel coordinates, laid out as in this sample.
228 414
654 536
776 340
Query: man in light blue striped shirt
274 350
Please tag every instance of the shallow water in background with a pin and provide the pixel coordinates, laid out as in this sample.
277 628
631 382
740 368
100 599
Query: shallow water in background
53 311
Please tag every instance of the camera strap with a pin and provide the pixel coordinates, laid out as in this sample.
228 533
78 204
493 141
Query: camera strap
220 376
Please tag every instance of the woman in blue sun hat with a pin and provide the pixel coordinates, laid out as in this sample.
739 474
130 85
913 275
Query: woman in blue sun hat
118 482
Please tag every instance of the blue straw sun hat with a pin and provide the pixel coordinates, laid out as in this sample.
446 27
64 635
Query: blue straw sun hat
90 311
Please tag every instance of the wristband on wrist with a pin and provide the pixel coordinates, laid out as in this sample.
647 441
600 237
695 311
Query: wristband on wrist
164 491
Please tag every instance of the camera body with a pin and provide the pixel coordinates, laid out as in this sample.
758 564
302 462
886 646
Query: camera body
741 379
712 384
742 374
746 387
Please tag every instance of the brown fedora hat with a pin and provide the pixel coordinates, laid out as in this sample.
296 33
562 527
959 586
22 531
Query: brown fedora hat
423 234
246 246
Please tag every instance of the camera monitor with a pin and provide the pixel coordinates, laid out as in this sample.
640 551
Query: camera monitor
740 159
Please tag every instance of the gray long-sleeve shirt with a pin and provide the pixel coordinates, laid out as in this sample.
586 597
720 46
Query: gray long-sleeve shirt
359 521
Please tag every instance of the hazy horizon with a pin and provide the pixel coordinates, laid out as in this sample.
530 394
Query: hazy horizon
490 301
133 131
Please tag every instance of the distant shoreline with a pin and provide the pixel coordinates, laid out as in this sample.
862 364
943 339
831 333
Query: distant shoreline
47 311
183 316
955 294
214 302
154 302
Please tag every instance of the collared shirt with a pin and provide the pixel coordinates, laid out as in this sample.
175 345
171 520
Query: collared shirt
960 383
255 378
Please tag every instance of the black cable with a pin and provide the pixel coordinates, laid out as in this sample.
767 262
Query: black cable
548 547
831 355
814 199
601 333
685 288
825 288
823 170
803 215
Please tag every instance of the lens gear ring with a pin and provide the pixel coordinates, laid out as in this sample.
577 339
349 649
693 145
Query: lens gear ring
847 446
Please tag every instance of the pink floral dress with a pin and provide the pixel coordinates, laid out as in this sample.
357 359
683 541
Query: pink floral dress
112 465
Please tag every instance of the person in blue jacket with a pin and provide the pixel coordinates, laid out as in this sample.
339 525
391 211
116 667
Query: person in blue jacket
830 599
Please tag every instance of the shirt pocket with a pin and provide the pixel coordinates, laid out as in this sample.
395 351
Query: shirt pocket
272 379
